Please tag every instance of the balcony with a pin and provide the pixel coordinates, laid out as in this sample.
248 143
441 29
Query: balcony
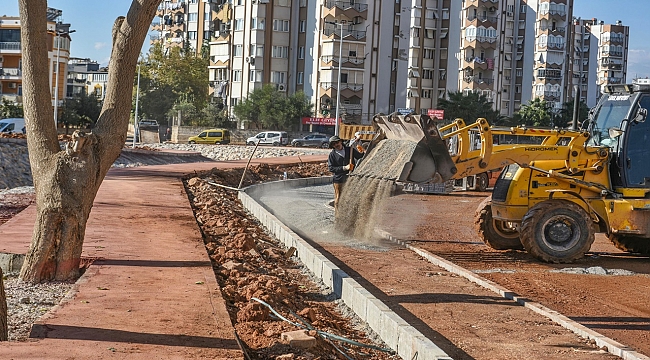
482 20
477 80
348 9
480 41
11 73
550 74
344 86
15 98
613 53
223 13
11 46
557 14
551 29
345 59
329 32
479 63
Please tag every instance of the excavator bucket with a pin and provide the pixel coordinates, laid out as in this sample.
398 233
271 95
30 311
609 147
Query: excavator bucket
412 151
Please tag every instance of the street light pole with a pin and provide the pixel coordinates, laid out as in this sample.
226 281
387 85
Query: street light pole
338 86
135 119
338 83
56 80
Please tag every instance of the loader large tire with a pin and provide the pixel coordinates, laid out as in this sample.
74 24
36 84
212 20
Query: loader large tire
557 231
632 244
496 234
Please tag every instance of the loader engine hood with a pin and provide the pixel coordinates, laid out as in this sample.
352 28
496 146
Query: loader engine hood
412 151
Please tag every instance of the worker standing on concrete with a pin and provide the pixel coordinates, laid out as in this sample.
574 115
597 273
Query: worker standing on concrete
341 161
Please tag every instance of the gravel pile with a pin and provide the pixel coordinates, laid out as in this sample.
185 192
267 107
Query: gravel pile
237 152
26 303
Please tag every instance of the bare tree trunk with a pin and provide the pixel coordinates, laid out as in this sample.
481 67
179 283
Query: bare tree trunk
66 182
4 330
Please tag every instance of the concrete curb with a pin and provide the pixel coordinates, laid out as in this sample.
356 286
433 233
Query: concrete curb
14 141
406 340
613 347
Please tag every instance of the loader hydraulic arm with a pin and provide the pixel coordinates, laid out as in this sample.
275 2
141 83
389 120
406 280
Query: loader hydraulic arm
471 159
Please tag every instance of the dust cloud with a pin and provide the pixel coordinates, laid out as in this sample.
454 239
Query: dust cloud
370 186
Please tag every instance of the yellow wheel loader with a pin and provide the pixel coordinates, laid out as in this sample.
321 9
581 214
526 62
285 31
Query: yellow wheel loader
554 193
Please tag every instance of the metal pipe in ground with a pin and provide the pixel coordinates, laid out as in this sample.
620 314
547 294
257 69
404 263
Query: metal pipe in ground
247 165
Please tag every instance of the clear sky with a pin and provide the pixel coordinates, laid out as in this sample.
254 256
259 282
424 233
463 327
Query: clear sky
93 20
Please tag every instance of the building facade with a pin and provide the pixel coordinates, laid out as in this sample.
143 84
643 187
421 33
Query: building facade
371 56
86 77
58 40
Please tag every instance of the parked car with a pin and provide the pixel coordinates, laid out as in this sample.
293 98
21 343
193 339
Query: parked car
12 125
212 136
275 138
318 140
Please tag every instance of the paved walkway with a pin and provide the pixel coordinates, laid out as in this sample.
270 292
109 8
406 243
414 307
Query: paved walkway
152 294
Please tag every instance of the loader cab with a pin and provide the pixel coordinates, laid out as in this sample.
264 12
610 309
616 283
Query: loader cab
619 123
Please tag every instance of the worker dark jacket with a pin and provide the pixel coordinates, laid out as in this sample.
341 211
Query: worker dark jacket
335 163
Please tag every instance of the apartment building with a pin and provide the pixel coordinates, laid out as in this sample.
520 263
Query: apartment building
612 52
58 35
85 76
182 23
551 70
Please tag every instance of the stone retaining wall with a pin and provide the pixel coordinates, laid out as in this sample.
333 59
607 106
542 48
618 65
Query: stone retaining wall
14 164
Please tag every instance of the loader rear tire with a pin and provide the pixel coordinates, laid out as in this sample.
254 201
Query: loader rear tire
482 182
497 234
557 231
631 244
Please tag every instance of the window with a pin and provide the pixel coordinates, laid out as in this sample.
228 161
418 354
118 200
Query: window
278 77
236 75
238 50
429 53
303 3
430 14
443 74
233 101
392 88
257 50
344 78
255 76
300 77
427 74
257 24
191 35
280 25
426 93
429 33
303 26
301 52
239 24
280 51
192 17
415 32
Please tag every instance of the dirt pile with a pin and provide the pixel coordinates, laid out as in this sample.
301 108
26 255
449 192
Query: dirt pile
251 264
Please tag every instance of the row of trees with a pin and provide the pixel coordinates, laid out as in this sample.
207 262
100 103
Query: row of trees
537 113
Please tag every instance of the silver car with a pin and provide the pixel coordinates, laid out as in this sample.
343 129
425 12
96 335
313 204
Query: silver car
317 140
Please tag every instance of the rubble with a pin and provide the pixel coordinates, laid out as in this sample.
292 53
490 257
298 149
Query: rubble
249 263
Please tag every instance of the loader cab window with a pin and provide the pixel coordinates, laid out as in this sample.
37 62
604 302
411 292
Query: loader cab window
636 150
610 114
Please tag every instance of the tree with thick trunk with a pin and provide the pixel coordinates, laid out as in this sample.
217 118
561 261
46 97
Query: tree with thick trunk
66 181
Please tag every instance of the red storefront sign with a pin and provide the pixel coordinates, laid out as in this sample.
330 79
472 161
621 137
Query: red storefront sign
318 121
439 114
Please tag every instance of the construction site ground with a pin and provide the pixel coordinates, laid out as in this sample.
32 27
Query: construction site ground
152 291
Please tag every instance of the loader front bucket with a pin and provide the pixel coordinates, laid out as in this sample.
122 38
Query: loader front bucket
412 151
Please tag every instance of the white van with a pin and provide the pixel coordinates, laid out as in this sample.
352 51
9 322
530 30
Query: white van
12 125
275 138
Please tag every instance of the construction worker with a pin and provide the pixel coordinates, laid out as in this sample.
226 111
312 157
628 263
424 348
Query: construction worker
341 161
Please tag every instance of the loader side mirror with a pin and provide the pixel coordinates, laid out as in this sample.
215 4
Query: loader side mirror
641 115
615 132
